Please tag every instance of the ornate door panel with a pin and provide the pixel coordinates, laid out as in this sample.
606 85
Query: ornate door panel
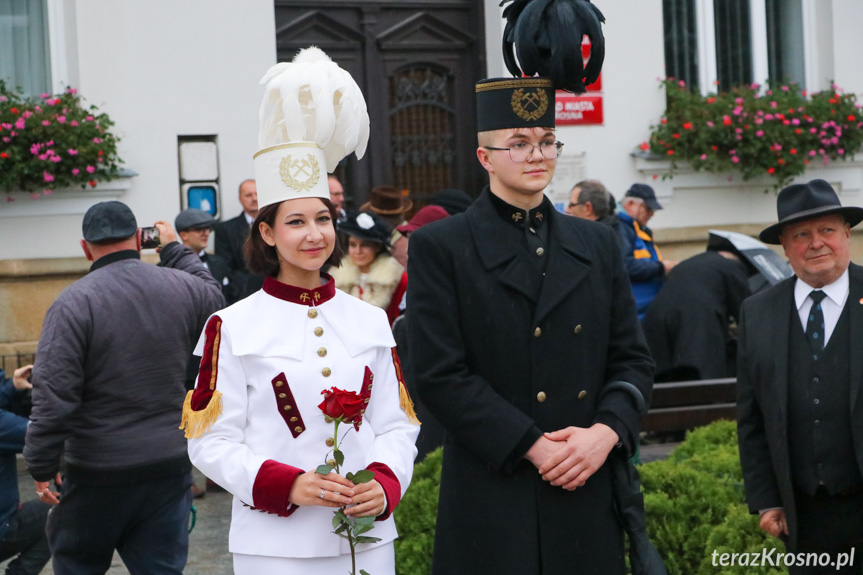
416 62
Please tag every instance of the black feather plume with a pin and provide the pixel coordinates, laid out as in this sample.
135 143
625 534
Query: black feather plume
546 36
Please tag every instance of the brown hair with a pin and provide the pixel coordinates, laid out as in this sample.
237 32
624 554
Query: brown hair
262 259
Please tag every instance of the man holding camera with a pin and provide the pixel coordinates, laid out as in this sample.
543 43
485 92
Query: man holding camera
108 389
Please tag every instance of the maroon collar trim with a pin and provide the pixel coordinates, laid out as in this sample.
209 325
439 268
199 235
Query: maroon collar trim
301 296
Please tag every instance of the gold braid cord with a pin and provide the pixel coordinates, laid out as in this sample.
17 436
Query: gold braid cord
407 404
197 423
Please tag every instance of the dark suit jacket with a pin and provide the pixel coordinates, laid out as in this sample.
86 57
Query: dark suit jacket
483 351
230 237
762 394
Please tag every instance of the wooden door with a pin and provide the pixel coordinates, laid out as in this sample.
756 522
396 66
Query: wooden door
416 62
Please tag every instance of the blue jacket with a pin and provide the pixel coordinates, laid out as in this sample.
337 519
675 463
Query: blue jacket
12 430
642 260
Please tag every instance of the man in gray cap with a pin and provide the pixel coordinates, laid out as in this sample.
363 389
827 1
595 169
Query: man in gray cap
800 412
644 263
108 390
193 227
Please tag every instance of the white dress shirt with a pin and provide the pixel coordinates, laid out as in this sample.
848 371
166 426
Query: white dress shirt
832 305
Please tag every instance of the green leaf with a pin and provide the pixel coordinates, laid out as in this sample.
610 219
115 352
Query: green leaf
341 528
336 521
340 457
323 469
370 521
340 514
364 572
349 476
363 476
367 539
362 529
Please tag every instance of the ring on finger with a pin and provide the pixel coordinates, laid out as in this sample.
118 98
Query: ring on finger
322 493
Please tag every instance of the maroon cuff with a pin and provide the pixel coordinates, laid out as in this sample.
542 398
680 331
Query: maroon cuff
273 487
392 488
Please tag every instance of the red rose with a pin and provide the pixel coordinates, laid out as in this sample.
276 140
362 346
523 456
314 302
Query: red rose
92 183
346 406
4 155
687 125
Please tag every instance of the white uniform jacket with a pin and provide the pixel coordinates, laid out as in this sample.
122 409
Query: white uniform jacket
267 359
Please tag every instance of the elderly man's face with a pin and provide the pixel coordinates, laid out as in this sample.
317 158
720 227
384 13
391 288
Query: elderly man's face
818 249
337 193
249 198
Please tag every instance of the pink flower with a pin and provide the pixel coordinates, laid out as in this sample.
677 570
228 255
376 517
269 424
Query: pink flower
703 157
19 124
43 156
784 88
738 130
682 84
75 171
89 118
26 114
61 119
73 152
755 86
90 169
813 130
709 124
97 140
34 196
49 143
46 192
773 104
812 153
46 123
796 121
43 96
732 152
736 111
56 159
72 91
738 100
6 126
768 116
759 133
47 177
840 151
3 98
6 140
34 149
74 123
735 159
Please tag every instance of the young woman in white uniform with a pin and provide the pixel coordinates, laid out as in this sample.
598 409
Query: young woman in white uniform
253 420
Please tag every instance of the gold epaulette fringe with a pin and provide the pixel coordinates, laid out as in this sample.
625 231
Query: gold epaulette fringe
407 404
197 423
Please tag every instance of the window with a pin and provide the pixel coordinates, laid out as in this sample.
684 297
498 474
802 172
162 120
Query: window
24 49
718 44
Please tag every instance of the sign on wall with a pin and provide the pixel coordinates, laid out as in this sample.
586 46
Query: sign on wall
582 109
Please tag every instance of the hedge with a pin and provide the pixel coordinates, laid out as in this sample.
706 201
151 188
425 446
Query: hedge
694 502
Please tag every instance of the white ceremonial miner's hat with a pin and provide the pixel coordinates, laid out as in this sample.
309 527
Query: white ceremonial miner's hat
312 116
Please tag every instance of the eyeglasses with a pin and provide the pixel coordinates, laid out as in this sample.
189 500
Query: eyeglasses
522 151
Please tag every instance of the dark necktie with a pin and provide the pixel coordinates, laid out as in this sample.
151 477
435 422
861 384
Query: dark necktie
815 325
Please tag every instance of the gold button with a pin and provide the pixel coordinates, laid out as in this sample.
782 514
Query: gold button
319 331
298 429
287 408
326 372
370 387
313 313
280 383
330 442
540 252
540 397
322 351
362 412
537 332
371 377
293 420
582 394
366 400
577 329
283 395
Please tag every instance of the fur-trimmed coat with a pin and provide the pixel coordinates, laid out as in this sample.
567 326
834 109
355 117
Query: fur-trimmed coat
385 276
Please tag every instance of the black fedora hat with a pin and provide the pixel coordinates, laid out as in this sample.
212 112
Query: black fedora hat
367 226
800 202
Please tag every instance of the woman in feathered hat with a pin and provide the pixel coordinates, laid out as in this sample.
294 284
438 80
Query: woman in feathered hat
254 420
371 273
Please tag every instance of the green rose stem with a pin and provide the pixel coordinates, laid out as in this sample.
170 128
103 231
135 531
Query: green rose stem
344 527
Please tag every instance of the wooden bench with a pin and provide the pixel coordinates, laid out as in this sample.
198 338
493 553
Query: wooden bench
684 405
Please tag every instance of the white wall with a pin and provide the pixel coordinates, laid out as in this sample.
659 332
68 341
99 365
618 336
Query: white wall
160 69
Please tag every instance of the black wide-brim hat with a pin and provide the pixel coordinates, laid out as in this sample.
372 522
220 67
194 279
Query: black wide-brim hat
366 226
800 202
503 103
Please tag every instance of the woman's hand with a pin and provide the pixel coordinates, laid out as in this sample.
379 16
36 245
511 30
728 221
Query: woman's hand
369 499
331 490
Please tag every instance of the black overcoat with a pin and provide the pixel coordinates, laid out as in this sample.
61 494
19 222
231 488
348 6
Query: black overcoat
498 365
762 394
687 322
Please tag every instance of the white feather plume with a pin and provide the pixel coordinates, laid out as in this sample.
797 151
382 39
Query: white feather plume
312 99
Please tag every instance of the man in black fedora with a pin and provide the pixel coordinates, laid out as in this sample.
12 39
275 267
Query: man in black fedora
800 412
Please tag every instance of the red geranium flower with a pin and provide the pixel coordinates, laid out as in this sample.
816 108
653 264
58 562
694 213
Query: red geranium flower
4 155
645 146
687 125
346 406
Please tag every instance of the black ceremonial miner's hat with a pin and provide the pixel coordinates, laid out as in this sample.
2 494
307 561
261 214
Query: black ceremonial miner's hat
514 103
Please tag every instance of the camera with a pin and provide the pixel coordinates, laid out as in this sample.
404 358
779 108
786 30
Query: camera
150 238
